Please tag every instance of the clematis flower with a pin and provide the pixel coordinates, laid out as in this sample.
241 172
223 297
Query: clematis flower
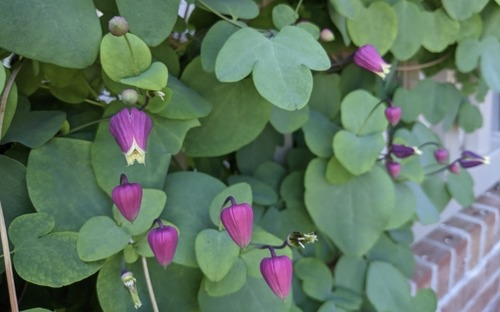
393 114
238 221
131 129
130 283
368 58
454 168
299 239
403 151
393 168
470 159
163 242
441 155
127 198
277 272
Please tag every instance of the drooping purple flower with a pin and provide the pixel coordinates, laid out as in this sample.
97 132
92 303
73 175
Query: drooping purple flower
238 221
403 151
393 114
454 167
163 242
441 155
368 58
131 129
470 159
393 168
127 198
277 272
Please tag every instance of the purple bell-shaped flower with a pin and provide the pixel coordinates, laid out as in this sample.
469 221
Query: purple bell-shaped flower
470 159
393 114
393 168
238 221
441 155
163 242
277 272
403 151
368 58
127 198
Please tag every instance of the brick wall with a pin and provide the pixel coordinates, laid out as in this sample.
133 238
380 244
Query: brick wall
460 259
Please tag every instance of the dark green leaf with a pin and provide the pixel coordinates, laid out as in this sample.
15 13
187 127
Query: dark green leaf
490 63
399 255
326 95
350 273
30 226
460 187
469 117
319 133
234 280
262 149
262 193
246 9
285 121
409 38
317 280
426 210
348 8
404 208
467 54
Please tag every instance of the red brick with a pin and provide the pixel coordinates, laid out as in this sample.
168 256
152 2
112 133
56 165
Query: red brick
474 229
482 299
489 219
459 244
439 256
422 275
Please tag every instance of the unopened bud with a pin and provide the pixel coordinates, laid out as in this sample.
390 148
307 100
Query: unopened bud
118 26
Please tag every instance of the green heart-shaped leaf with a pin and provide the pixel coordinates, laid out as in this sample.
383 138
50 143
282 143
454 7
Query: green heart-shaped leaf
154 78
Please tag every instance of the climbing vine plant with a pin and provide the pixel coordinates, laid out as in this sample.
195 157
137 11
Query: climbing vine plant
232 155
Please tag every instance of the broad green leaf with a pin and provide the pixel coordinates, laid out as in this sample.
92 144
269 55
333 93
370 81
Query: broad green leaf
471 28
426 210
311 28
216 253
490 63
280 65
404 208
292 187
61 170
39 224
152 20
282 222
223 130
262 193
352 221
350 273
437 191
271 173
185 103
63 33
463 9
469 117
10 108
399 255
167 55
336 173
340 21
425 300
460 187
467 55
262 149
120 60
36 310
377 25
441 30
317 280
347 299
491 22
33 128
35 262
189 198
99 238
410 102
58 76
348 8
409 38
285 121
354 78
357 154
75 92
326 95
319 133
284 15
213 41
330 306
246 9
179 282
441 99
362 113
234 280
152 205
154 78
386 288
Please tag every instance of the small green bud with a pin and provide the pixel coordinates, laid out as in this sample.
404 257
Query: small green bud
129 96
118 26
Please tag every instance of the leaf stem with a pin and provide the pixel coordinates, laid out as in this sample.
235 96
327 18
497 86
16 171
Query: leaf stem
86 125
94 103
424 65
220 15
154 304
8 264
136 69
369 115
298 6
6 92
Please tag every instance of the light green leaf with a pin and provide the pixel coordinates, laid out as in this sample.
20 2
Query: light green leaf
262 193
348 8
285 121
352 221
319 133
409 38
241 192
154 78
280 65
245 9
357 154
340 21
426 300
234 280
437 191
399 255
441 30
463 9
405 206
40 224
362 113
63 33
10 108
490 62
317 280
216 253
213 41
467 55
471 28
426 210
284 15
326 95
460 187
377 25
260 150
152 20
350 273
410 103
469 117
336 173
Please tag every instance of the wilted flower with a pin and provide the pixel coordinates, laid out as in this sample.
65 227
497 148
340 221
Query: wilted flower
129 282
403 151
454 168
326 35
238 221
368 58
299 239
127 198
470 159
131 130
393 114
163 242
277 272
441 155
118 26
393 168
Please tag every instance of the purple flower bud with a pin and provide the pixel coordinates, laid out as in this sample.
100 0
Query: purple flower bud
393 114
470 159
131 130
454 168
393 168
368 58
441 155
238 221
163 241
403 151
127 198
118 26
277 271
326 35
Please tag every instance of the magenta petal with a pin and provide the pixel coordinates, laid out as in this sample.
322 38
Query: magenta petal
163 241
368 58
120 127
141 127
393 168
393 114
238 221
277 272
127 198
402 151
441 155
